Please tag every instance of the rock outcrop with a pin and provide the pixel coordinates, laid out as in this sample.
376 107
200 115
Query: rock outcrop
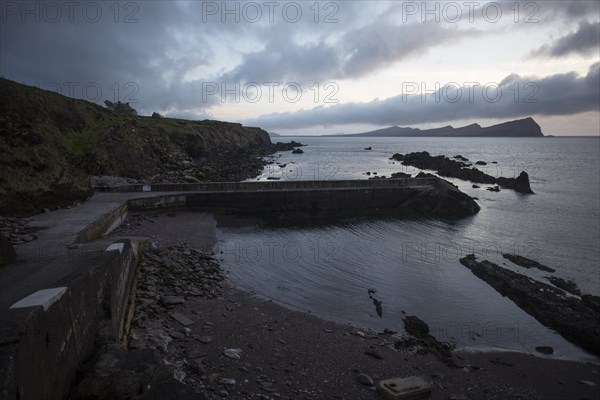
424 342
527 262
442 199
572 317
459 169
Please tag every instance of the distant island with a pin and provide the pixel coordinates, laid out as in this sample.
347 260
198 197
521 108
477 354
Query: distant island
520 128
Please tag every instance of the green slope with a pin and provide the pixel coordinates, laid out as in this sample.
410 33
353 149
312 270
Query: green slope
50 145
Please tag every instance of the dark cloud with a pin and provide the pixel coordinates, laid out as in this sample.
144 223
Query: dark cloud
585 41
571 10
373 47
282 59
356 53
161 53
515 96
142 54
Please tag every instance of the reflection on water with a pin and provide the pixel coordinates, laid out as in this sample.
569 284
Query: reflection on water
412 265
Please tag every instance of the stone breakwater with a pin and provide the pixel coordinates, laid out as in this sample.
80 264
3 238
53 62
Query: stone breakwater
425 195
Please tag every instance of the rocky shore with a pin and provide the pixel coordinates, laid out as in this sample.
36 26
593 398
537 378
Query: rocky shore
16 231
447 167
195 337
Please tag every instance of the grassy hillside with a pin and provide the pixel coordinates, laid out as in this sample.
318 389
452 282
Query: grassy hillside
50 145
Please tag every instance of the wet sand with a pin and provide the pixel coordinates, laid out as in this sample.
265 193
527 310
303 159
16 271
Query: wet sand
294 355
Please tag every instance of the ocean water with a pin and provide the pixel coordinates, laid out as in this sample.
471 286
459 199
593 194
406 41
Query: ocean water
327 267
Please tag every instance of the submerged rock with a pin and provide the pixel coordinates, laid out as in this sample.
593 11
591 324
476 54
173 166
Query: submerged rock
566 285
378 308
527 262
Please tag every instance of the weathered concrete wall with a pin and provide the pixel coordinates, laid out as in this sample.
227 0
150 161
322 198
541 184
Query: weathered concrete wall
323 200
158 202
268 185
42 351
99 227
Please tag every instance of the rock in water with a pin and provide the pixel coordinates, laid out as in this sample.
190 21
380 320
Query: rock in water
456 169
570 316
527 262
519 184
378 308
564 284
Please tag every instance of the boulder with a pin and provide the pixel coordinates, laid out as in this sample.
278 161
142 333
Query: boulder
519 184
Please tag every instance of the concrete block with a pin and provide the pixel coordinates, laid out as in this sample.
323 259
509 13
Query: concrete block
115 247
44 298
409 388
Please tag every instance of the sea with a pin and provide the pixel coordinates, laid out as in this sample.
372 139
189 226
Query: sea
326 267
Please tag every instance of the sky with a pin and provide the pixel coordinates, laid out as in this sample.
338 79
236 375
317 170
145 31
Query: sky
308 67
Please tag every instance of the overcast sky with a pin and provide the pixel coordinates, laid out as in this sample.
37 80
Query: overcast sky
311 67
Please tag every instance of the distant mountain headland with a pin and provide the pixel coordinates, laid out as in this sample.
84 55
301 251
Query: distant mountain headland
520 128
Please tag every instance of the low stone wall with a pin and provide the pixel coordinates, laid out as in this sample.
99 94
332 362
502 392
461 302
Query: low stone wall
53 335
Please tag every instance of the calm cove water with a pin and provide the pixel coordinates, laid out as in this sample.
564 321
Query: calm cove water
326 268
